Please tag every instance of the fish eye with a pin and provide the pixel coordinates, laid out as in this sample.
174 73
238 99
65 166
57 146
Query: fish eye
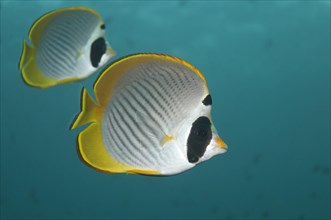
207 100
103 26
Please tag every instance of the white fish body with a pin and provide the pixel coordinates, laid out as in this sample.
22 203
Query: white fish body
152 116
68 44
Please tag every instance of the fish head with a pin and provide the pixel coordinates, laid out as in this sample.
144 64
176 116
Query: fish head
109 52
99 49
200 137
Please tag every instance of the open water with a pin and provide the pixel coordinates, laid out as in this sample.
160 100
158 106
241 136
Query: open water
267 65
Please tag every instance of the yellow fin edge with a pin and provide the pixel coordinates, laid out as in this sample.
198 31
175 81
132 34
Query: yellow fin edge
185 63
31 73
39 25
93 152
90 146
110 75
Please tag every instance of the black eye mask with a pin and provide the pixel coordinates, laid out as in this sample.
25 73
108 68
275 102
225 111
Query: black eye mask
98 49
199 138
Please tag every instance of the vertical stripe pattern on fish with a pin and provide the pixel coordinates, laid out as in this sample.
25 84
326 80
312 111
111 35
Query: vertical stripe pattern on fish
67 44
151 116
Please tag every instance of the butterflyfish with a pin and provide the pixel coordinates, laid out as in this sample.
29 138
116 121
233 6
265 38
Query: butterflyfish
68 44
151 116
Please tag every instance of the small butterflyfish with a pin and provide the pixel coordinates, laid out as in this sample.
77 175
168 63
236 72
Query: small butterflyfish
67 45
151 116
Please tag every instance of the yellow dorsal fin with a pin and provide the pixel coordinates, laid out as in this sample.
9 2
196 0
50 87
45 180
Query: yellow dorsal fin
110 75
40 24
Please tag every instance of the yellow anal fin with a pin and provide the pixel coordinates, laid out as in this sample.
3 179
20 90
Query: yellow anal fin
143 172
93 152
90 111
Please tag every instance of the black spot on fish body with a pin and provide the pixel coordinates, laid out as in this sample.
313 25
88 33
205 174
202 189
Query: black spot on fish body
98 48
103 26
199 138
207 100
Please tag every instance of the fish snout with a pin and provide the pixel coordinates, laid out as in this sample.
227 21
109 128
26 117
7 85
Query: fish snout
111 51
220 143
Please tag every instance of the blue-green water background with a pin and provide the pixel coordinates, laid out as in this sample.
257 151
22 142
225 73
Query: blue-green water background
267 64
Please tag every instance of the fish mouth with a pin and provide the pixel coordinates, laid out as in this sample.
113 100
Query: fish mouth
111 51
220 143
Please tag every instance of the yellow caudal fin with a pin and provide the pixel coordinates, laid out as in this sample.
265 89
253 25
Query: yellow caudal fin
93 152
90 111
30 72
27 53
90 145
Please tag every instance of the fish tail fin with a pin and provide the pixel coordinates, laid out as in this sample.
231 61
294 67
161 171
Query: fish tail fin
90 111
31 73
27 53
